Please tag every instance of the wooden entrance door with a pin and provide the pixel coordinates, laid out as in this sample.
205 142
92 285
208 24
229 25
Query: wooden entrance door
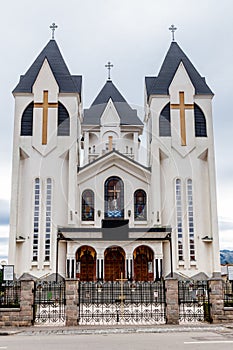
143 264
86 264
114 263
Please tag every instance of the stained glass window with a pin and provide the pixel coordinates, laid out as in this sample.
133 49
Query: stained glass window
88 205
140 205
114 198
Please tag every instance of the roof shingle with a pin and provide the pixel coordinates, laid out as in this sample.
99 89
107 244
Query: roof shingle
66 82
160 84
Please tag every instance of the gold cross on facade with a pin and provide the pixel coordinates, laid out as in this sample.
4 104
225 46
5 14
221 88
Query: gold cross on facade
182 107
114 192
45 105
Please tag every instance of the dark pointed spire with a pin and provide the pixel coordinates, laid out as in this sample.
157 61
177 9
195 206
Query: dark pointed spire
51 52
160 84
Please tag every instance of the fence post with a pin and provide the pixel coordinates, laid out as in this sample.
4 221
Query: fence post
71 302
172 308
26 302
216 299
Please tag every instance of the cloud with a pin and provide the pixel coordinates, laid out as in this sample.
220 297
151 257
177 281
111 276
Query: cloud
225 225
4 212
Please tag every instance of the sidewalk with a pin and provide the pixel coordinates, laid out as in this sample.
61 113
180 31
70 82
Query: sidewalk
46 330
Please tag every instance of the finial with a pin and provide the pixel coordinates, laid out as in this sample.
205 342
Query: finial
53 27
109 65
173 29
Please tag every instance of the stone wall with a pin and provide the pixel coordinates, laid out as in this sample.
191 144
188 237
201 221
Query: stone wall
23 316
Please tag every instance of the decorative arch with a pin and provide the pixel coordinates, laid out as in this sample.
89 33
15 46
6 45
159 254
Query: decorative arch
200 122
27 121
114 198
165 121
114 263
143 257
63 121
140 212
88 205
86 263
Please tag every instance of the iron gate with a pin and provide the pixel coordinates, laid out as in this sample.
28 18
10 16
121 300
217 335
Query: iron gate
121 303
49 302
194 305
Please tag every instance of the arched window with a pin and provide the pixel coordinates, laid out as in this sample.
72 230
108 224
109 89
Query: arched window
200 122
63 121
37 202
139 205
27 121
179 219
165 121
190 219
114 198
88 205
48 218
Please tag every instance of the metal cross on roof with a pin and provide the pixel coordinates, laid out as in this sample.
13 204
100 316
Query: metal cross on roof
173 29
109 65
53 27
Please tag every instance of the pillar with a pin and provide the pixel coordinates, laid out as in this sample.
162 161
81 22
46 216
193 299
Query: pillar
71 302
26 303
172 309
216 299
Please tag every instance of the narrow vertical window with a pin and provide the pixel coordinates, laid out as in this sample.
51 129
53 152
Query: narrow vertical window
179 220
88 206
190 220
27 121
165 121
48 219
35 247
114 198
139 205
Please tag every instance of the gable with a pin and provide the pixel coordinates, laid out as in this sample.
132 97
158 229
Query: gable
110 116
115 164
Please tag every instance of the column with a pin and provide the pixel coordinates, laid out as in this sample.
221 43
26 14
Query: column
71 303
216 300
70 268
172 309
26 303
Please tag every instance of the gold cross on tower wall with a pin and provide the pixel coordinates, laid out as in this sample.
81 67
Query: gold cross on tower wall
45 105
182 107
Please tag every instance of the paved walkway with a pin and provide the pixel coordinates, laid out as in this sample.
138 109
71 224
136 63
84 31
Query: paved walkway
42 330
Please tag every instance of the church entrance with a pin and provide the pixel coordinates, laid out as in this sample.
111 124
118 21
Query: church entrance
143 264
86 264
114 263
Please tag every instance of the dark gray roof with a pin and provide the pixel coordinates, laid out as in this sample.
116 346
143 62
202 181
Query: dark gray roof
66 81
160 84
128 116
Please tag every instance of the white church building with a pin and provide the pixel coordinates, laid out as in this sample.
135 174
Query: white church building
84 205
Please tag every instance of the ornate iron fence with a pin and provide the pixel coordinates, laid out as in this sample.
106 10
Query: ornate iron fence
49 302
228 293
121 303
10 293
194 303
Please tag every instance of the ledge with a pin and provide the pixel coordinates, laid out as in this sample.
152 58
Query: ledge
207 239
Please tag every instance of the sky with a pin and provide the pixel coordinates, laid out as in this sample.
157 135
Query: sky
134 36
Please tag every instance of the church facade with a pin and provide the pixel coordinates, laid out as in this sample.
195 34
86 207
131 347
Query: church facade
85 203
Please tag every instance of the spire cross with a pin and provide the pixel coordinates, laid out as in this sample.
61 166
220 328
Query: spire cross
53 27
109 65
173 29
